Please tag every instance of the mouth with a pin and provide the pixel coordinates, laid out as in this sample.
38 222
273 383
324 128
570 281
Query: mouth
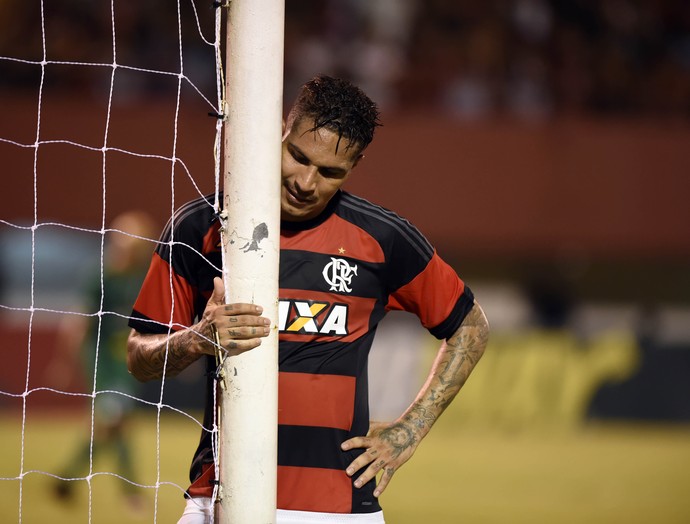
296 200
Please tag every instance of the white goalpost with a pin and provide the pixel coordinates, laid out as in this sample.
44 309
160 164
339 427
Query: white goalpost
125 76
251 245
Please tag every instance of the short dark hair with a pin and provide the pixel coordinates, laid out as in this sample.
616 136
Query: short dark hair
339 106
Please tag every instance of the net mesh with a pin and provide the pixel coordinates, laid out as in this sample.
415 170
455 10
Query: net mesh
109 113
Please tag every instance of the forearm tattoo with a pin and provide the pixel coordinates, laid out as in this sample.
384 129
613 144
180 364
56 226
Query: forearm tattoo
455 362
150 358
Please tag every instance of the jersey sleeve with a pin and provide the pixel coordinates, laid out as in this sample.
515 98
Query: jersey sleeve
165 300
437 296
421 282
169 294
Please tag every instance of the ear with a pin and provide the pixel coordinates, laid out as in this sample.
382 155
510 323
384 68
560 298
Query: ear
288 124
359 157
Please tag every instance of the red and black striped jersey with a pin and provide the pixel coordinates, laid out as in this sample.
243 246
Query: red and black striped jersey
339 275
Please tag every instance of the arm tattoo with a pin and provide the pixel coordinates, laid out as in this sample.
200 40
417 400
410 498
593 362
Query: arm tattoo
149 358
455 361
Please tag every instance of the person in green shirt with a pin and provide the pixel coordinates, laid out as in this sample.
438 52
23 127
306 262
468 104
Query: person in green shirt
97 343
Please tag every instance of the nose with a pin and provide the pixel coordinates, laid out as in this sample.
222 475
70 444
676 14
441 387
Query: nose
305 182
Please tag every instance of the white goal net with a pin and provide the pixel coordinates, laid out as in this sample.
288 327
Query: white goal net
110 121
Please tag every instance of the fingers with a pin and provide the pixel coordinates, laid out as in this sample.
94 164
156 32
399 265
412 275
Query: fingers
382 455
376 464
237 346
218 295
241 322
237 327
365 458
388 472
240 327
238 316
371 457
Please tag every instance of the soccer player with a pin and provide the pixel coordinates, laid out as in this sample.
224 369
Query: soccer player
125 264
344 263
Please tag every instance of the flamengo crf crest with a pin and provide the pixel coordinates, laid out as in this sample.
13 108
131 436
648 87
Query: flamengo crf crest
338 273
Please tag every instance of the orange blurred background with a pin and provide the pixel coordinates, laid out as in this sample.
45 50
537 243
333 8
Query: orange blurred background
542 146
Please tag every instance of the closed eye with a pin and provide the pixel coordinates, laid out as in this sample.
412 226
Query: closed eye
298 156
332 173
324 171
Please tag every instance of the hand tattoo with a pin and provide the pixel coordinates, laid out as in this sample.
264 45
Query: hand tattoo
399 437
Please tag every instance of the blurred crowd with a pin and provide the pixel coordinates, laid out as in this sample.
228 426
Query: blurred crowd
467 58
529 58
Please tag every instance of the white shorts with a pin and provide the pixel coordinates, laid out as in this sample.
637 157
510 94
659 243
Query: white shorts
200 511
197 511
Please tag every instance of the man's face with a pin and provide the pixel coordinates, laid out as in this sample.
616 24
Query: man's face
312 169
